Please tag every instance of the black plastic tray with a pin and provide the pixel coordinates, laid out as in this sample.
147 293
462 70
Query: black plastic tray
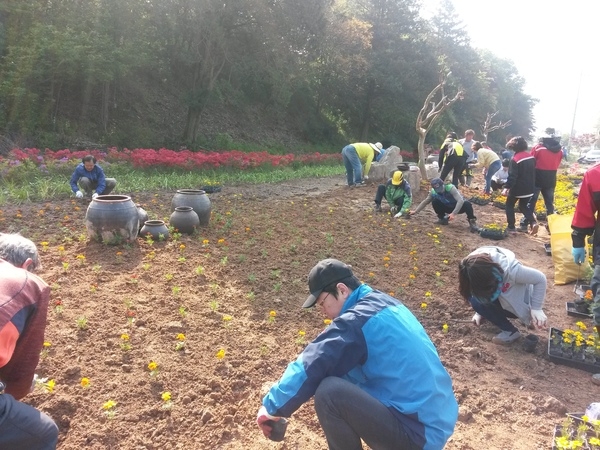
580 289
582 365
548 249
571 311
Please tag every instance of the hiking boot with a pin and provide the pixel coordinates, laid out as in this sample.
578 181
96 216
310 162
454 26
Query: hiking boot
511 230
533 229
473 226
377 208
506 337
442 221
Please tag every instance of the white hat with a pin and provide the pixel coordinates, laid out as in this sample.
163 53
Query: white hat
377 147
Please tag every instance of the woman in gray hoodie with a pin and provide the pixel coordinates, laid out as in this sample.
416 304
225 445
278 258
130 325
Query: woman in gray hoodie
499 287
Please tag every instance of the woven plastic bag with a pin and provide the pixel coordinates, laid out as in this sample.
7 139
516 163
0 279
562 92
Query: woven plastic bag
565 269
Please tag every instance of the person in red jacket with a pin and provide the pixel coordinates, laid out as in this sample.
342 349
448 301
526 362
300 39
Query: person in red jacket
585 222
23 310
548 155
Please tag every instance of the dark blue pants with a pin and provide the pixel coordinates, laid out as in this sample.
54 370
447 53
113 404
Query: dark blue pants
547 195
494 312
348 414
441 209
22 427
523 207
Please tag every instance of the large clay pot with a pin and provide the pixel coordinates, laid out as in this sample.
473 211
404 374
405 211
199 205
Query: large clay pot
155 228
112 219
142 215
184 219
195 198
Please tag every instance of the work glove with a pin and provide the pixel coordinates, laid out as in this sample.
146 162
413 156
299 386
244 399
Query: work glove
262 420
578 254
397 216
94 195
366 177
393 210
79 194
538 318
477 318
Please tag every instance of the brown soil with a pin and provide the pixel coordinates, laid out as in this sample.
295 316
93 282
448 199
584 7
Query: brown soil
271 236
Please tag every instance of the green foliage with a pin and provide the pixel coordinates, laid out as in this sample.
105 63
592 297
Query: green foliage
242 75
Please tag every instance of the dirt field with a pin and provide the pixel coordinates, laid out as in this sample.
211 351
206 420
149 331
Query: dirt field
254 258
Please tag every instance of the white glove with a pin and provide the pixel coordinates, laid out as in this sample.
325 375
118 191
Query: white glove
94 195
477 319
79 194
397 216
538 318
366 177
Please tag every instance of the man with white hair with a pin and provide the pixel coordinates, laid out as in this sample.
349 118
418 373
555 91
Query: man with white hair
23 310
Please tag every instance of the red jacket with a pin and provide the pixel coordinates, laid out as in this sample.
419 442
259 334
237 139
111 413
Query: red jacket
547 162
586 219
23 311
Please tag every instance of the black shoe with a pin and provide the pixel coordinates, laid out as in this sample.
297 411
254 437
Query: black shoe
377 208
442 221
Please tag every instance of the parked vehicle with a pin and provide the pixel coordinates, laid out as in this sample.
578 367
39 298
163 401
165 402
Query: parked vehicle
591 157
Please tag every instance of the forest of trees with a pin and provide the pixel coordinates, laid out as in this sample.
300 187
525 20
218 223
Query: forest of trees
149 72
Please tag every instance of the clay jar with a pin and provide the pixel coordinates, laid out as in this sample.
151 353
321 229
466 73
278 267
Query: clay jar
156 229
142 215
184 219
112 219
195 198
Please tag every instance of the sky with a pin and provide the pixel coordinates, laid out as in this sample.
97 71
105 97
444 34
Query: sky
554 46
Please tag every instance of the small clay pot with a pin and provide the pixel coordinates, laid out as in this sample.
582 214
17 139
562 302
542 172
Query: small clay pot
530 343
184 219
155 228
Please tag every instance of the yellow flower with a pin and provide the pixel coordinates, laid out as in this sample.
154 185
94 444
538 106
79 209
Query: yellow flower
445 261
50 386
181 337
182 247
371 274
220 354
85 382
152 366
125 336
61 249
427 294
445 328
109 405
47 344
227 318
585 418
581 325
412 276
166 396
301 333
437 274
220 241
272 313
44 244
205 242
386 258
327 321
423 305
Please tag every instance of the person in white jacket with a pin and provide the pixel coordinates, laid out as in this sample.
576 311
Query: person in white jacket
499 287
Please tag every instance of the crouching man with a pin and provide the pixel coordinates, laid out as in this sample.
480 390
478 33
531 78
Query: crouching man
374 373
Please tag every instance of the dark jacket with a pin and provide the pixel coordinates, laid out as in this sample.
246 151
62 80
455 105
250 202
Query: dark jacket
587 219
548 156
96 176
521 175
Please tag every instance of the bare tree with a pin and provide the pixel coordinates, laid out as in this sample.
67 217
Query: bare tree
488 126
429 113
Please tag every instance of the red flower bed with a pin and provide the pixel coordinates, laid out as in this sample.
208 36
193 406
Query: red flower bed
144 157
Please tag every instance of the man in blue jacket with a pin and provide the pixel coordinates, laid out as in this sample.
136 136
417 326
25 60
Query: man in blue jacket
374 373
91 179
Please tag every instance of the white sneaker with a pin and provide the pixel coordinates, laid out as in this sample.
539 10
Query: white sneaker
506 337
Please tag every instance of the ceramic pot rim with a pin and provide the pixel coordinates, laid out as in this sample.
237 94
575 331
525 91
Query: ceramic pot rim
191 191
112 198
184 208
154 222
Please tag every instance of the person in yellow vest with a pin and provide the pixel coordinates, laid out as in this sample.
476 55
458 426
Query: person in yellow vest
489 160
357 160
452 158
